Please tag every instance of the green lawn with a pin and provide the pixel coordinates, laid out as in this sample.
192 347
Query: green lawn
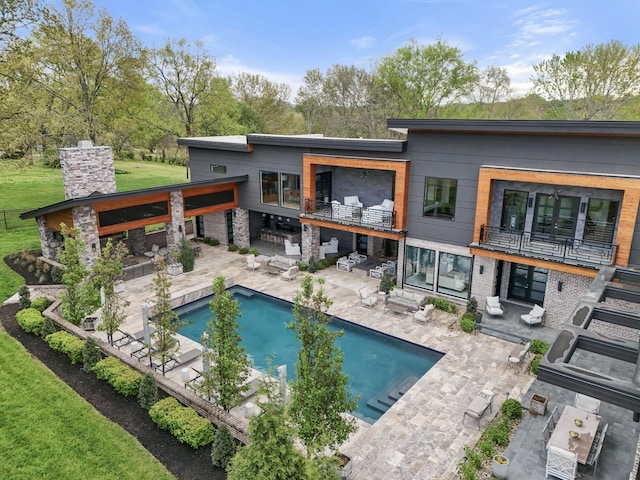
48 431
27 187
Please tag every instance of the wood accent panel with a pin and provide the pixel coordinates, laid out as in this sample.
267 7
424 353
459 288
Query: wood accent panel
54 219
559 267
401 169
130 201
353 229
628 210
194 192
120 227
213 208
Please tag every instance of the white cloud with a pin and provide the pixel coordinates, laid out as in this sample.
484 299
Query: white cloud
363 42
150 30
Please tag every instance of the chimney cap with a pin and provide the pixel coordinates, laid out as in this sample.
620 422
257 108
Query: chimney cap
85 144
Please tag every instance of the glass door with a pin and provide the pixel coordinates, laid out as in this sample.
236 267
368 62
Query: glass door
514 210
527 283
323 187
556 215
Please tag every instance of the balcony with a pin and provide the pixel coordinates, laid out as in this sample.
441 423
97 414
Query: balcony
367 217
572 251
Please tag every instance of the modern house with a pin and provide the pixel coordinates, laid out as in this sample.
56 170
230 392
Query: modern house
528 210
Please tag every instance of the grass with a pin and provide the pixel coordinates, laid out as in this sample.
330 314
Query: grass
48 431
27 187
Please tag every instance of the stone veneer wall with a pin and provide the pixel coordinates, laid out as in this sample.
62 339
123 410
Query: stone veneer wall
50 240
84 218
215 226
87 169
137 241
310 242
175 228
241 234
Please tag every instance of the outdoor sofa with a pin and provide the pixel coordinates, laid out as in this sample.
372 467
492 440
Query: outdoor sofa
282 262
411 300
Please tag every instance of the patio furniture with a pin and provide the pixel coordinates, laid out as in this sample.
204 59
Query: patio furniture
289 274
546 435
368 298
423 315
379 214
594 455
396 308
479 406
586 403
357 257
391 266
378 272
282 262
251 263
291 248
413 301
584 424
181 359
517 354
535 317
555 415
561 464
493 306
328 247
345 264
353 201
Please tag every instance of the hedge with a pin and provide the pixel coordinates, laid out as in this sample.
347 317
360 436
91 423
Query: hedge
30 320
66 343
120 376
184 423
40 303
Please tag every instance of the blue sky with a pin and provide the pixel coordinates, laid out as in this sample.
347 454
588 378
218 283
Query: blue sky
282 39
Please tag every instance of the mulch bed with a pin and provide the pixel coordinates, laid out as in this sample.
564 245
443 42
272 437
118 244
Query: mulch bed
181 460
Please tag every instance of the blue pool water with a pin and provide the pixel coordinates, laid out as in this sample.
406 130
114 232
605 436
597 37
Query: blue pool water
379 366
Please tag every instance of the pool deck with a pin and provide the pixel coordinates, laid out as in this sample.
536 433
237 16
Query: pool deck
423 434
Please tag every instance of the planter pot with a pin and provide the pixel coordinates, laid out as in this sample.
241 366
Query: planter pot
345 466
118 287
478 317
538 404
175 269
500 466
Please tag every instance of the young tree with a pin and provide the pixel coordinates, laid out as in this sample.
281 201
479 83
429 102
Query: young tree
223 448
166 320
80 296
224 380
319 394
107 271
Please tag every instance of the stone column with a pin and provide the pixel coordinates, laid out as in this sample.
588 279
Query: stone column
137 241
87 169
175 228
400 261
310 242
215 226
241 234
50 240
84 218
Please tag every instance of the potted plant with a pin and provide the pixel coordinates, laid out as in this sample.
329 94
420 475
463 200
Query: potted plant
387 282
500 466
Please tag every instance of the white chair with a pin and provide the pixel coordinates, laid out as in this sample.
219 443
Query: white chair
328 247
493 306
594 454
534 317
586 403
479 406
561 463
555 415
345 264
291 248
423 315
352 201
289 274
357 257
251 263
516 357
546 435
367 297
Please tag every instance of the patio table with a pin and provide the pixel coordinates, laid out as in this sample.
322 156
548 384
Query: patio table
586 432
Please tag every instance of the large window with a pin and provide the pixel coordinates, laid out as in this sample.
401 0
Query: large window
602 216
453 274
514 210
420 267
281 189
440 198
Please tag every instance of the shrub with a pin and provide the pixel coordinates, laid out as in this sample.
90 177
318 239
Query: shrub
472 305
41 303
186 255
253 251
25 297
56 274
486 447
498 433
232 248
215 242
535 363
66 343
303 266
148 393
321 265
512 409
207 240
47 327
467 325
90 354
184 423
30 320
223 448
444 305
243 251
539 346
124 379
473 457
312 267
387 282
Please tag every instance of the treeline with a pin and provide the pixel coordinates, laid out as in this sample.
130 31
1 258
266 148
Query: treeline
75 72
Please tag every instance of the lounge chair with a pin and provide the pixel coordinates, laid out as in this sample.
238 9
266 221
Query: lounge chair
535 317
516 357
368 298
291 248
289 274
345 264
493 306
479 406
423 315
181 359
251 263
328 247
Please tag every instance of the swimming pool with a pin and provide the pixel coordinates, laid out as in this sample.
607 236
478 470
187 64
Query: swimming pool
380 367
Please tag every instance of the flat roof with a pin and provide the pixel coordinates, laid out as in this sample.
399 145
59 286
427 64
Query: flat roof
97 196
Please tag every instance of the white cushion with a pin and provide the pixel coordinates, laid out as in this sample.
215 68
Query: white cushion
493 301
387 205
537 311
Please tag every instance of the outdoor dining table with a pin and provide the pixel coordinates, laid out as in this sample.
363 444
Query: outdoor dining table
581 445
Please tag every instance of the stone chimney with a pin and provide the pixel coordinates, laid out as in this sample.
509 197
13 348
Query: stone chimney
87 169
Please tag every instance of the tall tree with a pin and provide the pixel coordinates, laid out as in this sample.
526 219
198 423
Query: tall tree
80 297
16 16
183 72
310 100
319 394
589 84
166 320
228 364
492 88
419 79
107 272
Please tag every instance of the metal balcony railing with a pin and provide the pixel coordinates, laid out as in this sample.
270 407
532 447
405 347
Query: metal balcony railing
572 251
348 215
